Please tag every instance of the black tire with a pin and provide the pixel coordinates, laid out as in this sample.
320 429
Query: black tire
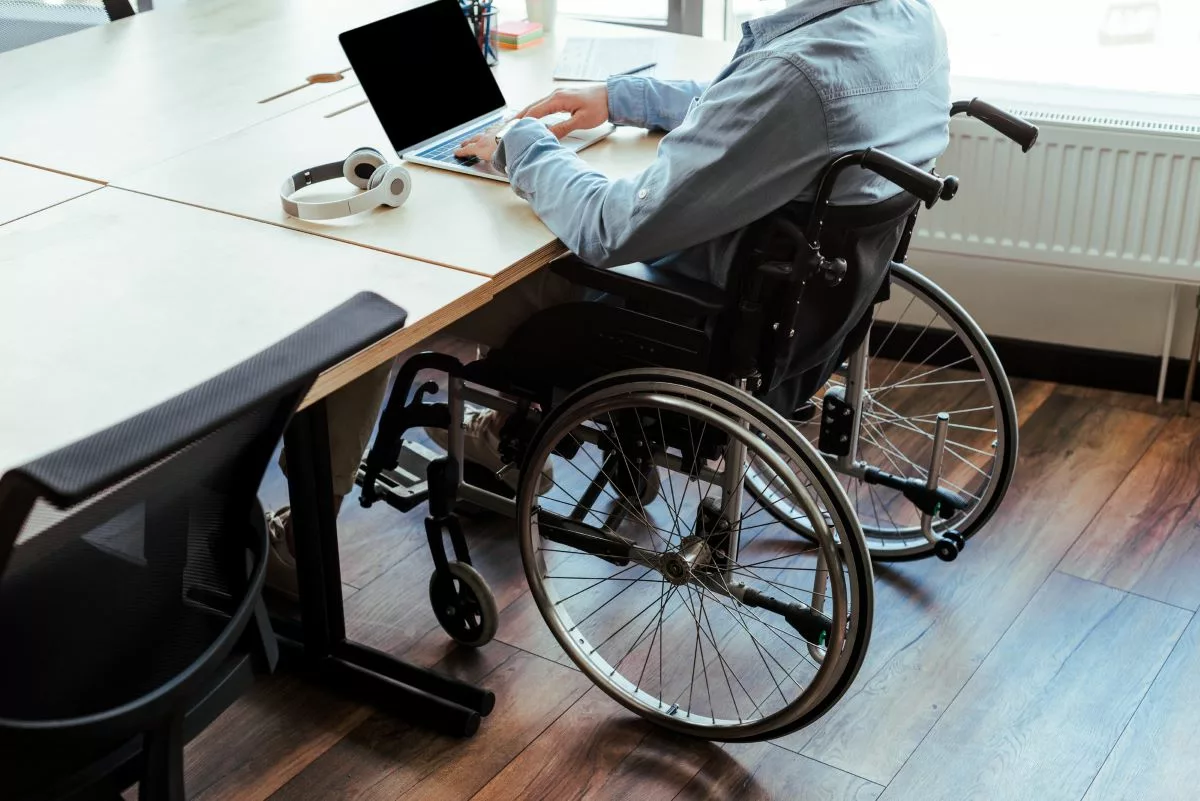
464 605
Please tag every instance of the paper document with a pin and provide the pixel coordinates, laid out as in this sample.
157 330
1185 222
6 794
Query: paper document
597 59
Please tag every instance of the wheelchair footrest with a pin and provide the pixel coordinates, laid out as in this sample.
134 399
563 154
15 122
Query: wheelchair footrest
405 486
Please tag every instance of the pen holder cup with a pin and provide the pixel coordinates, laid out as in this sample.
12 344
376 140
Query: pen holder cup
487 35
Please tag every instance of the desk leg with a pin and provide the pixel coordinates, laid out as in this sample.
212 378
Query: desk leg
397 687
312 514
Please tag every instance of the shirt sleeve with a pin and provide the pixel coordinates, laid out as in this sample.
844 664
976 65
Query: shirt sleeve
650 103
755 140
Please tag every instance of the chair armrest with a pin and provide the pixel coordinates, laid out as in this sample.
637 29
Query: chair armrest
77 471
657 290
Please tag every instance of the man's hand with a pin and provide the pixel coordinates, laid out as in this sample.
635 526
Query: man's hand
587 106
482 146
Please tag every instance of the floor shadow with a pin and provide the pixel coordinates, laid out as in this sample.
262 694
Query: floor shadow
905 584
672 760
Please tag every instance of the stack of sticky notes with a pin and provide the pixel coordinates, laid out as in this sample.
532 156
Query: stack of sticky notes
519 35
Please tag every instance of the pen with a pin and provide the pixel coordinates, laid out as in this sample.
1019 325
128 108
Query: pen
636 70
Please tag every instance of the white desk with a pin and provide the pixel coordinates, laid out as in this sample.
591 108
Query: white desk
114 302
470 223
25 190
129 94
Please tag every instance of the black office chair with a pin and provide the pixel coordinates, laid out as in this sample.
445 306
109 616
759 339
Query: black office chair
26 22
131 570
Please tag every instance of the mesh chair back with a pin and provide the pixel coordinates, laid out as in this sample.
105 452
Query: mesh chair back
26 22
115 614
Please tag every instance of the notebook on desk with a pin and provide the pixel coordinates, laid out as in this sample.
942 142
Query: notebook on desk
595 59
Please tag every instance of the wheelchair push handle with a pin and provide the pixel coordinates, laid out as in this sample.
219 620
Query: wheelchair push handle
1023 133
925 185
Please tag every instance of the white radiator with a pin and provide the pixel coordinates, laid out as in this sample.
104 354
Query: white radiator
1105 193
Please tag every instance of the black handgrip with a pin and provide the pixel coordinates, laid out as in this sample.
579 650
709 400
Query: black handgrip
915 181
1023 133
949 187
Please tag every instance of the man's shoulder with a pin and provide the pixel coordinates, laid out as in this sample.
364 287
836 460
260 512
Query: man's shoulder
875 47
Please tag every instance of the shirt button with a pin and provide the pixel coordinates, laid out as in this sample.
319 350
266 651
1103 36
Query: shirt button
643 194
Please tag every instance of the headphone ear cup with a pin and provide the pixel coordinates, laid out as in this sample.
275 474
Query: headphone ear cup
360 166
397 183
377 176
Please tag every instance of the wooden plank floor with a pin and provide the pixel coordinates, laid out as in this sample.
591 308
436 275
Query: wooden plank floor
1056 659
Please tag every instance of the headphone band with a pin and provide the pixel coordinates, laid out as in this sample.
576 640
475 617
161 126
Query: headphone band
323 172
314 175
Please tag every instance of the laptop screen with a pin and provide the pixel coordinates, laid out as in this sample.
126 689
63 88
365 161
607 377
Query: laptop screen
422 72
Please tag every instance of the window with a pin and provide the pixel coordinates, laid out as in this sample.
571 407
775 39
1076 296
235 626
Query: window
1129 45
652 12
680 16
738 11
1126 45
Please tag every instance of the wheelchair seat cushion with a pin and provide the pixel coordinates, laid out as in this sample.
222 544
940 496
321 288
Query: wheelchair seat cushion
654 291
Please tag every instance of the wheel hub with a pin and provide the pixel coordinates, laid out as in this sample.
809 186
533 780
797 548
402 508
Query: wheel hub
679 565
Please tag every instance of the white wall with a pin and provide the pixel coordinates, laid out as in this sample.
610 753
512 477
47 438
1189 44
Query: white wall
1052 304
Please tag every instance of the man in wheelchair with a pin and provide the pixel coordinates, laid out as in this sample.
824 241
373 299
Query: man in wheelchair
818 79
695 555
736 267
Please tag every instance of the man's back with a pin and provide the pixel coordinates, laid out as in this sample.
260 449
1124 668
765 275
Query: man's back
806 84
880 72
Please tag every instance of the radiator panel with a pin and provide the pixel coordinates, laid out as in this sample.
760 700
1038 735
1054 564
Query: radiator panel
1122 199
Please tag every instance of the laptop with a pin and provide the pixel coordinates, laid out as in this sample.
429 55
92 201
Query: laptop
431 88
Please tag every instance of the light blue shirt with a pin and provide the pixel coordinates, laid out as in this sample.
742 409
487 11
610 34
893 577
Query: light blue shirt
805 85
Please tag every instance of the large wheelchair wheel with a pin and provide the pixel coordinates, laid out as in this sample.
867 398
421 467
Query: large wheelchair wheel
692 606
928 357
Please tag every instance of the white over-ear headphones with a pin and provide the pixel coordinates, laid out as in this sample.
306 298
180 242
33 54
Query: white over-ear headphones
366 168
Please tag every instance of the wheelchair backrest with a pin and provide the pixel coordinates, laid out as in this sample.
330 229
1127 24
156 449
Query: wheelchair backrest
793 348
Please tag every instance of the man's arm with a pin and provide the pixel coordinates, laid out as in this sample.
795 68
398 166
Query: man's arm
650 103
756 140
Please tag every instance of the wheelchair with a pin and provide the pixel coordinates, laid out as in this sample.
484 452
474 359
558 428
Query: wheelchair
702 556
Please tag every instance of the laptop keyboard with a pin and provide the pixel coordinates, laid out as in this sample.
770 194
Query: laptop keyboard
445 151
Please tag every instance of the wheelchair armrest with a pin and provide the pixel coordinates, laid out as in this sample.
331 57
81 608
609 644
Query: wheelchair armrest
656 290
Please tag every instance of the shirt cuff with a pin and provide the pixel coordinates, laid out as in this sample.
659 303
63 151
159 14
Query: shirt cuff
627 100
520 136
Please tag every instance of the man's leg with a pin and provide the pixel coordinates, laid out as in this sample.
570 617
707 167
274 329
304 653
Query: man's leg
351 412
490 327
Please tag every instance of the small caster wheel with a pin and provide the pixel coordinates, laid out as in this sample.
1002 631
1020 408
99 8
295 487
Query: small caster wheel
949 547
464 605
